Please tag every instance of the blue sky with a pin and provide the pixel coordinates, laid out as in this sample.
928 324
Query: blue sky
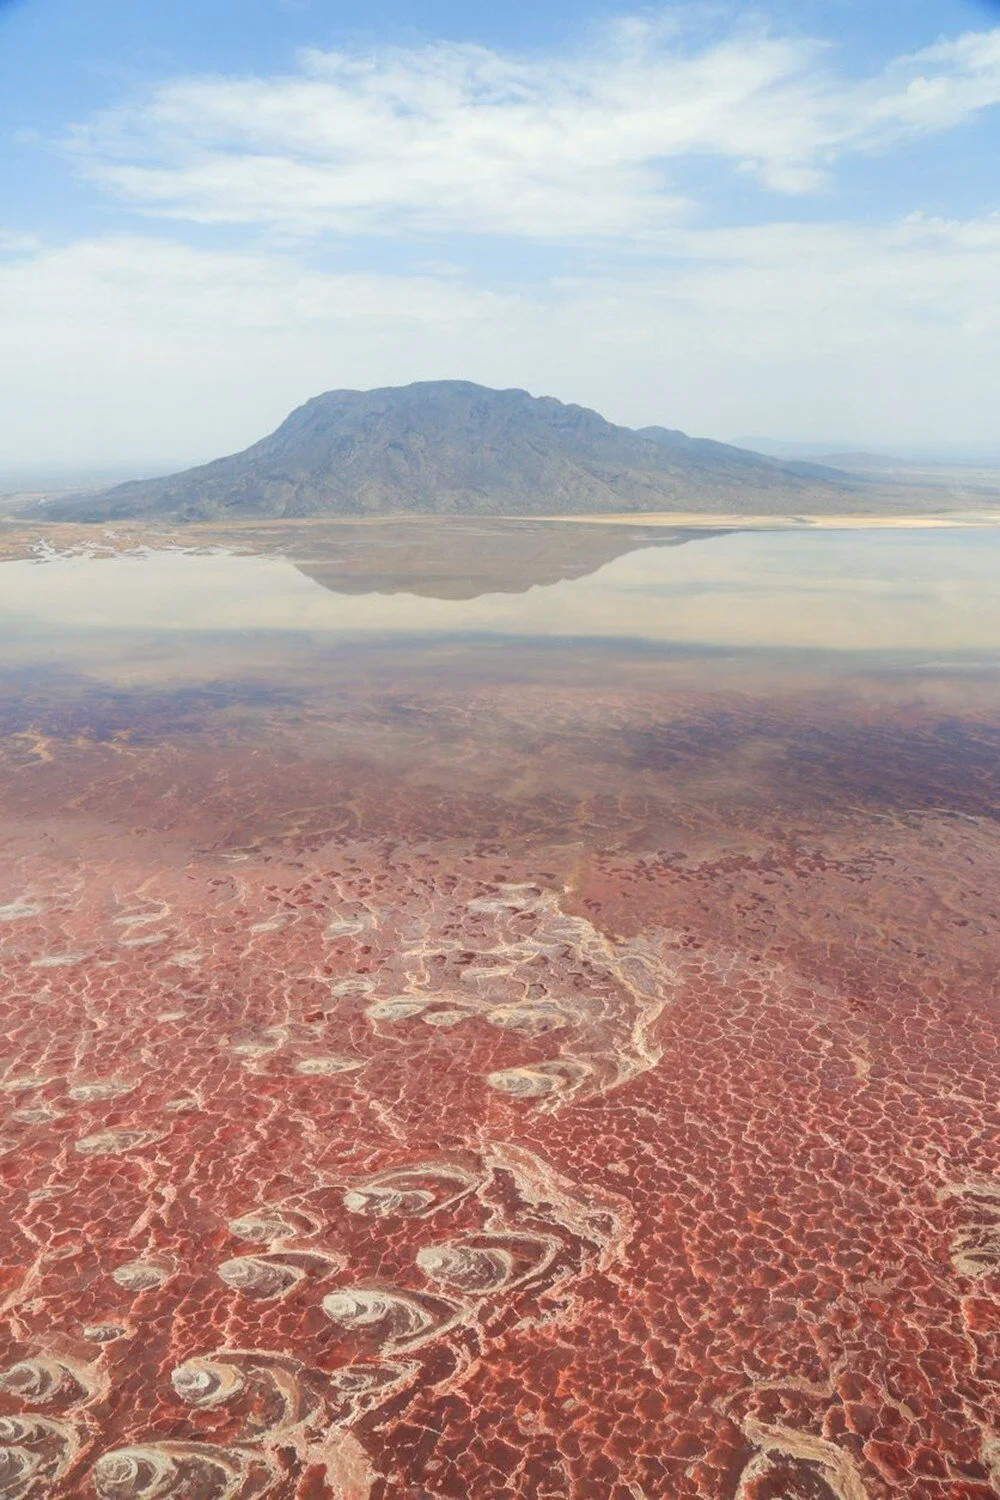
778 219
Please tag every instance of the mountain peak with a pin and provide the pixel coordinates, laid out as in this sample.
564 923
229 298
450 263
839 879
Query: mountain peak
452 447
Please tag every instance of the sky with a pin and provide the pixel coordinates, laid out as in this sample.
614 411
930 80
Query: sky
776 220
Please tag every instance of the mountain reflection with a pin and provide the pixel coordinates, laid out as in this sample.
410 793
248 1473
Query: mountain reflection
455 560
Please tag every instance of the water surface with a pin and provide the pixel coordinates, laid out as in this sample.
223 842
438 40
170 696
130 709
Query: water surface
801 590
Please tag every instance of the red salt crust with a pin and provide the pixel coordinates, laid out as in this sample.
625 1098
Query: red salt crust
357 1163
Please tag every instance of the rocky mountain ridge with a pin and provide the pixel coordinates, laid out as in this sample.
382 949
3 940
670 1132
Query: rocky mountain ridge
453 447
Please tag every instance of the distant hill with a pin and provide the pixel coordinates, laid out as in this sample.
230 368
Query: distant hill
451 447
822 454
727 454
865 462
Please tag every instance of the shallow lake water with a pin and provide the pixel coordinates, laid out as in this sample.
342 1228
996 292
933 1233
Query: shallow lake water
801 590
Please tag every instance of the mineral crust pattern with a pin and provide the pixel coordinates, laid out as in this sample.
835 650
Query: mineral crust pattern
468 1087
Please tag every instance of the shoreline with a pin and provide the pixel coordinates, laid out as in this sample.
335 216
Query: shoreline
18 532
800 522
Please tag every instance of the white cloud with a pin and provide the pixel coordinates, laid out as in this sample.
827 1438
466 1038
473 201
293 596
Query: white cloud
449 138
18 244
137 350
940 86
140 350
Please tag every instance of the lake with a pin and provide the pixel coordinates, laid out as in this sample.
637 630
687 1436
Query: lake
500 1007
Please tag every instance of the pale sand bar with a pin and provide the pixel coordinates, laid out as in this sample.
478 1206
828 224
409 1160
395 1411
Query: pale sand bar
718 520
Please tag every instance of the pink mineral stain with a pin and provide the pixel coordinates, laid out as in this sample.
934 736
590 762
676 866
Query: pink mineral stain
572 1082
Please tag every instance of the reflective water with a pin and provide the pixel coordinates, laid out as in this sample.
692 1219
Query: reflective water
892 590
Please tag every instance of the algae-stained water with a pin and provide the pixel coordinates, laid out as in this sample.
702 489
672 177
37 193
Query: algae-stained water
501 1010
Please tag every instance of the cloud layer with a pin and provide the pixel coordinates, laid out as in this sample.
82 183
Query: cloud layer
448 138
620 164
147 347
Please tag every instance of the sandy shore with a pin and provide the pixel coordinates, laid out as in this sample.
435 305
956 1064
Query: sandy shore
719 520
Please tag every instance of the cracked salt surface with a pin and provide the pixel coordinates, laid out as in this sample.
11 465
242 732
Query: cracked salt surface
584 1073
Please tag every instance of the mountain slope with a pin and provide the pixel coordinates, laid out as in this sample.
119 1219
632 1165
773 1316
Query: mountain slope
445 447
734 459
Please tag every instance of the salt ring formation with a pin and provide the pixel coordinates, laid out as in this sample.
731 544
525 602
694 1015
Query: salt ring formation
437 1067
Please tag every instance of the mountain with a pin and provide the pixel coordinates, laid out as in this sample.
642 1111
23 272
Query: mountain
822 454
726 455
865 462
451 447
